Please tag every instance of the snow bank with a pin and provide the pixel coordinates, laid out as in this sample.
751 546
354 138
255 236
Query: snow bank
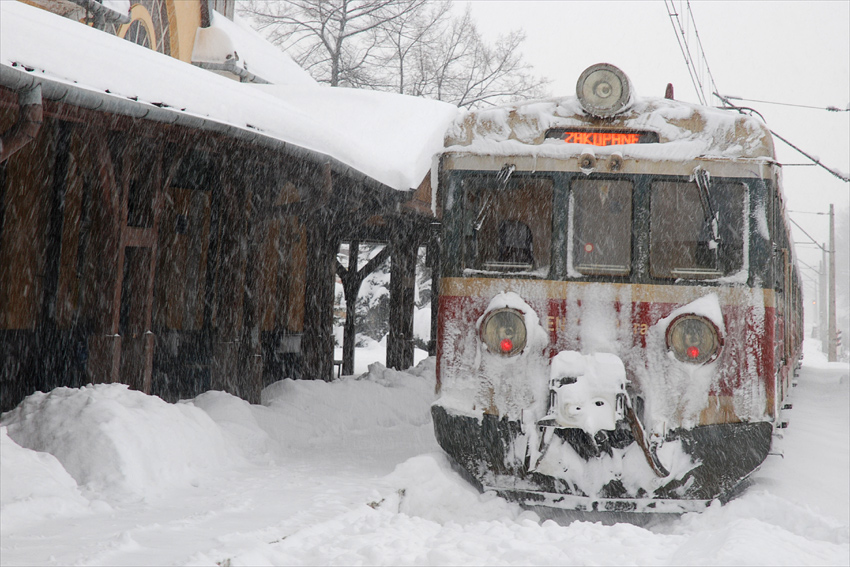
428 488
300 414
760 529
237 419
34 486
359 480
119 443
428 515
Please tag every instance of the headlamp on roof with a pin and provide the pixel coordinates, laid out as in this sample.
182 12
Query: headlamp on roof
603 90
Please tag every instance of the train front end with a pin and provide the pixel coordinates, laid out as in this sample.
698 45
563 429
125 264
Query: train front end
618 306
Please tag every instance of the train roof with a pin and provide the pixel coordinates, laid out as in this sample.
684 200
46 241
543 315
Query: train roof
685 131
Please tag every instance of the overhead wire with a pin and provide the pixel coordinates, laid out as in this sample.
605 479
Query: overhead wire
703 58
836 173
827 108
809 235
684 47
678 29
815 161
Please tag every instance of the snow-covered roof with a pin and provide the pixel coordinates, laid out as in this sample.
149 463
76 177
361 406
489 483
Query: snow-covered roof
389 138
226 40
686 131
120 6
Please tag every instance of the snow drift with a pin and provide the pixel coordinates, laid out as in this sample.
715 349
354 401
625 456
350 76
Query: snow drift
348 472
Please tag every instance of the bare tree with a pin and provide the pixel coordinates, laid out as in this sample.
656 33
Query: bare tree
335 40
468 72
412 47
405 38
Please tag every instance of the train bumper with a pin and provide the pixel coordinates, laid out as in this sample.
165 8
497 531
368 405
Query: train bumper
489 451
587 504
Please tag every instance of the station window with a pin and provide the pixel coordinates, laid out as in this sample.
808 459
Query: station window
510 224
137 33
601 212
695 236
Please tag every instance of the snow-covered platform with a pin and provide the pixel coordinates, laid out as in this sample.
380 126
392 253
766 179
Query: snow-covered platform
215 480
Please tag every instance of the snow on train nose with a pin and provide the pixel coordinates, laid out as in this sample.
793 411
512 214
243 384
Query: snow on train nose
585 391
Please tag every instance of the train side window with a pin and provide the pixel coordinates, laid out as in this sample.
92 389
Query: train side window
601 214
685 242
510 224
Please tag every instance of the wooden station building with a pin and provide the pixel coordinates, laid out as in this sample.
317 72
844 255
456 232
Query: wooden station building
170 239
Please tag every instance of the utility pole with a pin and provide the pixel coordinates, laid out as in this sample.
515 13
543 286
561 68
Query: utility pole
823 300
831 352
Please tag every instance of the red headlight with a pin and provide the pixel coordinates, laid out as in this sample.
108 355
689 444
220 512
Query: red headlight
503 332
693 339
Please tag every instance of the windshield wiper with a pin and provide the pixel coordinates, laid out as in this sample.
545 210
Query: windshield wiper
503 177
703 180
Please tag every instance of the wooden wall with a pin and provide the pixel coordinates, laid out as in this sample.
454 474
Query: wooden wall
176 260
135 252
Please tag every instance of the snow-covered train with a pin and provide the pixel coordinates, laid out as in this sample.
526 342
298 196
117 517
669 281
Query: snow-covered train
619 309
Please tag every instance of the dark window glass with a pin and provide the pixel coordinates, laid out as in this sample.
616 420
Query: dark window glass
602 226
509 224
685 241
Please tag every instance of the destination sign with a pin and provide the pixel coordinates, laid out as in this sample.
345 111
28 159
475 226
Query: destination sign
602 138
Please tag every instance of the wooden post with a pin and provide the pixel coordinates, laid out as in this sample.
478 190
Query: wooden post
322 244
139 244
351 286
318 345
251 371
53 355
230 289
103 284
404 244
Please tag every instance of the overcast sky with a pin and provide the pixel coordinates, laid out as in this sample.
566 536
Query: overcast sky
791 51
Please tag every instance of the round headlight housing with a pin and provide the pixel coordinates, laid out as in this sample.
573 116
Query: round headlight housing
603 90
503 332
693 339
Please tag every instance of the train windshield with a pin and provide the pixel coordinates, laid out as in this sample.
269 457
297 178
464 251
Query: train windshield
694 235
601 226
510 223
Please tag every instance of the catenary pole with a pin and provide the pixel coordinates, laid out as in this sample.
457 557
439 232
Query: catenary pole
823 300
831 353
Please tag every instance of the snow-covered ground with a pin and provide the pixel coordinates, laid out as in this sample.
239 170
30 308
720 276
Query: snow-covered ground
349 473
